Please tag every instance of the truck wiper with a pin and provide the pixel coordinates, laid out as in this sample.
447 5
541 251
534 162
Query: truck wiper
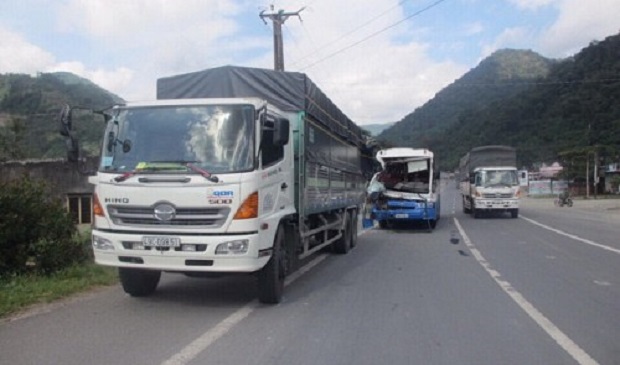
152 166
204 173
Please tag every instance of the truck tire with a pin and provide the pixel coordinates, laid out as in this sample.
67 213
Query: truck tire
476 213
354 222
139 282
514 213
343 244
271 276
383 224
465 209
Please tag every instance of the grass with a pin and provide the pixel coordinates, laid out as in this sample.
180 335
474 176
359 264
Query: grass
17 293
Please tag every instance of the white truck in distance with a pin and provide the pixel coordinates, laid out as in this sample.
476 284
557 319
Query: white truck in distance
489 181
233 170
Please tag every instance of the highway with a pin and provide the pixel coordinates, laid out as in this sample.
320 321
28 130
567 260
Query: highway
540 289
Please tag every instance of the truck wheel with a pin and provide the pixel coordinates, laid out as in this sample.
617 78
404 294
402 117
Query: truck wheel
514 213
343 244
139 282
433 223
476 213
354 223
383 224
271 276
465 209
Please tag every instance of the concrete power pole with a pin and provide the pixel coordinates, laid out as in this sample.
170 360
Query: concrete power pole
278 18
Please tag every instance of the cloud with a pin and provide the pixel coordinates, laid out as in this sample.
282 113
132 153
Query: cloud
111 80
385 85
374 71
124 22
473 28
147 39
531 4
17 55
580 22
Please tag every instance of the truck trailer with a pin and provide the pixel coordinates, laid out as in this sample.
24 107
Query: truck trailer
230 170
489 181
406 189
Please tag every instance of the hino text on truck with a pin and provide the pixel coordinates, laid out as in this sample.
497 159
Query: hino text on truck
489 181
231 170
406 189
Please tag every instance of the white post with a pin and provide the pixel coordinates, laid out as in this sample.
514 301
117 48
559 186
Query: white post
587 175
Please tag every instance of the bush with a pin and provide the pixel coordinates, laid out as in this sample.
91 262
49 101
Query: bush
36 232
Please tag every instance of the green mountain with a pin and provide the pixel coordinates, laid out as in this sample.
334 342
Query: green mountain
545 108
29 108
376 129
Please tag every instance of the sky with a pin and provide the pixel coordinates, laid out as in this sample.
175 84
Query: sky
378 60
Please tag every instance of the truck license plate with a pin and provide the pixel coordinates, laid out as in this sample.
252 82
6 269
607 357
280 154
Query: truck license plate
161 241
401 216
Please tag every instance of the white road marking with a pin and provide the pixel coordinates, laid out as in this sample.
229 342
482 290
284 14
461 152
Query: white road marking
206 339
200 344
551 329
602 283
577 238
189 352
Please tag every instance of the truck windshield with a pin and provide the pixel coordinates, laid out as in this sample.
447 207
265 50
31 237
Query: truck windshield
407 177
498 177
218 139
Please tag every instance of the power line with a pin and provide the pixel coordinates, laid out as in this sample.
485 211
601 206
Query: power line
374 34
351 31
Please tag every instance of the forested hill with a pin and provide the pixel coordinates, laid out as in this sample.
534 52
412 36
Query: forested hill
29 107
544 108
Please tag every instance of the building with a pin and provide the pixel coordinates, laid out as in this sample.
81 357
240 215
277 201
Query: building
63 179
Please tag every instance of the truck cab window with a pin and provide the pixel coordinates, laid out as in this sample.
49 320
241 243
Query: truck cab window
270 152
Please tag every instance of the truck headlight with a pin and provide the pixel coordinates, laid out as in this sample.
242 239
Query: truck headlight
237 247
101 243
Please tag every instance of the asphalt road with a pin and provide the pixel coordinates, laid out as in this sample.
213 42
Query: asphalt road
541 289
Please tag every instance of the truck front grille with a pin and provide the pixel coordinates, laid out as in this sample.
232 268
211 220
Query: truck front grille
212 217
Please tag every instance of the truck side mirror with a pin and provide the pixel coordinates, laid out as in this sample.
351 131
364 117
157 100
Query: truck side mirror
73 149
65 119
281 128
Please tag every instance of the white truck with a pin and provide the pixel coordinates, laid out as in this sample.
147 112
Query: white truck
231 170
489 181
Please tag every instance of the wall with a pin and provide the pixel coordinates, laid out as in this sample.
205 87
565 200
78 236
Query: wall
546 187
62 177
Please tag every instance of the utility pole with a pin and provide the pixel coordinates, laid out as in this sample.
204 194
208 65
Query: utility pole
278 18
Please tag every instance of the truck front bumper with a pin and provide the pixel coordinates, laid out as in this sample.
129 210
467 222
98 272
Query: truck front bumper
404 214
127 250
496 204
